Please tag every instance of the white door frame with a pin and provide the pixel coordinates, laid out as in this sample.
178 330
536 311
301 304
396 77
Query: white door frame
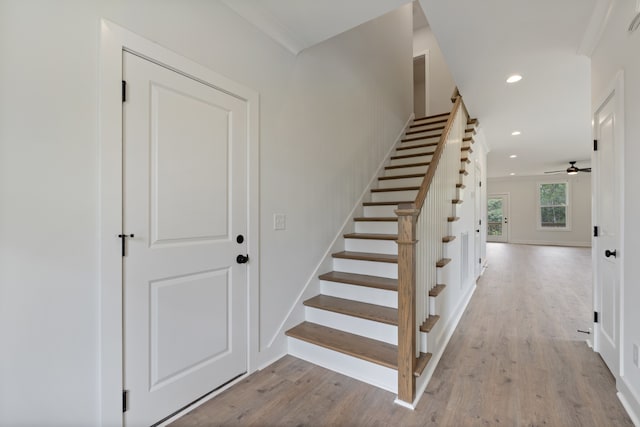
113 41
615 90
425 53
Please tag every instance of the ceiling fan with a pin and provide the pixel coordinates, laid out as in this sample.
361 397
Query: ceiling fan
572 169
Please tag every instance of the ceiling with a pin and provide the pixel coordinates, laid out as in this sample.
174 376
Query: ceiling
483 42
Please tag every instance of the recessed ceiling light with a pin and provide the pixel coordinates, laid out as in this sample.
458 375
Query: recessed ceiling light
513 156
512 173
515 133
514 78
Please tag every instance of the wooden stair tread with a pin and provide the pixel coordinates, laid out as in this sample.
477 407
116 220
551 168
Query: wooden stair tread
447 239
436 290
371 236
429 323
362 310
467 139
384 203
464 172
361 280
465 159
412 175
422 363
443 262
411 147
411 132
428 123
433 116
368 349
453 218
376 219
418 138
469 149
470 121
456 201
385 190
461 186
367 256
408 156
409 165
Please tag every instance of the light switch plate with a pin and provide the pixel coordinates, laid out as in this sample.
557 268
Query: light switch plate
279 221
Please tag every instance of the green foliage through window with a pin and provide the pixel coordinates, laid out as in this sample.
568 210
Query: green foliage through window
553 205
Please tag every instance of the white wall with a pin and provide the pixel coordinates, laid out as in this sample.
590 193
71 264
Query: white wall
523 197
327 118
616 51
441 84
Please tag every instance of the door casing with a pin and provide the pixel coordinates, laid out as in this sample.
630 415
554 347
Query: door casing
505 213
113 41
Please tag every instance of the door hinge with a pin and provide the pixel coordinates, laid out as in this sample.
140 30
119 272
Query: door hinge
479 260
124 91
595 145
595 317
125 400
479 183
479 222
595 231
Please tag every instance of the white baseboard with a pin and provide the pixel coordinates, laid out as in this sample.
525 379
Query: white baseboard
630 400
550 243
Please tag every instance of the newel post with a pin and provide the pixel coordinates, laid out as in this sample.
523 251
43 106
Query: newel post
407 215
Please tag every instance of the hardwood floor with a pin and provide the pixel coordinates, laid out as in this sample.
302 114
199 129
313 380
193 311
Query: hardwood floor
514 360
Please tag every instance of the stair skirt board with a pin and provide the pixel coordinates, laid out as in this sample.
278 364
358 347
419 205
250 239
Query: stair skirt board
360 293
362 370
354 325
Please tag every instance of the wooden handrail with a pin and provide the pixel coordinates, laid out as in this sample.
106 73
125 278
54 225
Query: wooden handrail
426 182
408 214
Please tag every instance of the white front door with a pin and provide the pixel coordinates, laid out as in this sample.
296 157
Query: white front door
185 186
607 244
497 218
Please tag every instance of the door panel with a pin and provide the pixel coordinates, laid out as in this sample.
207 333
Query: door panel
185 313
608 282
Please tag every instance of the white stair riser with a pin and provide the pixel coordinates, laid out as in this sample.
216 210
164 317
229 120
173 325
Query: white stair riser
424 126
424 133
372 246
417 150
440 274
377 227
383 210
420 140
411 160
400 182
360 293
372 268
394 196
370 373
420 121
406 170
353 325
424 342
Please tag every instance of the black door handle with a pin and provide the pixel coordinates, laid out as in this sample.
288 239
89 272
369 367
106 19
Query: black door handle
242 259
124 246
609 253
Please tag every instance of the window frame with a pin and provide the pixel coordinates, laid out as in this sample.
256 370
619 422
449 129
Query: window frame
567 207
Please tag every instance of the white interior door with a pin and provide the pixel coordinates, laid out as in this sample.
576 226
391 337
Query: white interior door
607 244
185 305
498 218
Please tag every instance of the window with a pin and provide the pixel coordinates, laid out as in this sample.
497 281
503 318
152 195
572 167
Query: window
553 206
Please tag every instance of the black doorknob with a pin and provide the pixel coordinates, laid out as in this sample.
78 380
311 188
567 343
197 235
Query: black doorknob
609 253
242 259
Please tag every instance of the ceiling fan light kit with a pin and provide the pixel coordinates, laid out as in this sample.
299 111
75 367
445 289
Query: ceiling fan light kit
572 169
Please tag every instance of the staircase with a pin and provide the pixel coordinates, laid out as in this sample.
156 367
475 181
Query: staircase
352 326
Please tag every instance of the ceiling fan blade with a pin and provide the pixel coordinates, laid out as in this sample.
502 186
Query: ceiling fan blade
553 172
585 170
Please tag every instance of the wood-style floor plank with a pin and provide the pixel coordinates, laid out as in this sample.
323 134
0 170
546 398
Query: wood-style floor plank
514 360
